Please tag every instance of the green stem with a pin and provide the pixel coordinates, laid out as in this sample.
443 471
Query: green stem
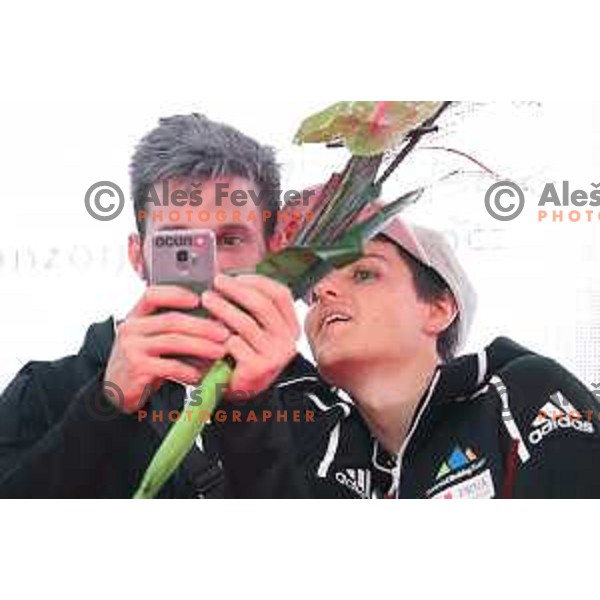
183 433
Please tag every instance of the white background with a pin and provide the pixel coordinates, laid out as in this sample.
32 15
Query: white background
59 52
61 270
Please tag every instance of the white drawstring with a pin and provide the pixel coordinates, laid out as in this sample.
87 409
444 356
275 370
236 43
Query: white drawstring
397 472
334 440
508 419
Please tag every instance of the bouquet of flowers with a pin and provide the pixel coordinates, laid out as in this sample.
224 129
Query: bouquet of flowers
330 240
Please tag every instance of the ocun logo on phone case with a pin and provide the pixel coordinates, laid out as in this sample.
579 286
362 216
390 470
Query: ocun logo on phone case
178 242
186 258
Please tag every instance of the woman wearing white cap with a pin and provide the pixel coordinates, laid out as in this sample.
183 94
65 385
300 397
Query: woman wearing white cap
417 422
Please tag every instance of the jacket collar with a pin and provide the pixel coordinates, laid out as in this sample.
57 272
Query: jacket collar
466 375
98 342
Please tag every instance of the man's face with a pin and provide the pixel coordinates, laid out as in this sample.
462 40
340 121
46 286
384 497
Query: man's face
370 313
239 230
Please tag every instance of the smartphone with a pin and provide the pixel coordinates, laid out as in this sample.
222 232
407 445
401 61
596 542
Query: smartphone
185 258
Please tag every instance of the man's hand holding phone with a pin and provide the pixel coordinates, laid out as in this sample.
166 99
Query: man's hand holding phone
147 344
250 318
253 320
265 329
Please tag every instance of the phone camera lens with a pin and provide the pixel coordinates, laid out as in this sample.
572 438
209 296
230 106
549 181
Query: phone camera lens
183 256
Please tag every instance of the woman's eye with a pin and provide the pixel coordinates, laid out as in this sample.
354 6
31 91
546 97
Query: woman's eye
361 275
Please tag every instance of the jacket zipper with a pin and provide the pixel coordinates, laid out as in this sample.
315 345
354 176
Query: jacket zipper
397 473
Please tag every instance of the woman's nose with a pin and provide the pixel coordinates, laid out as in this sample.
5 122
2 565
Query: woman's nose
326 288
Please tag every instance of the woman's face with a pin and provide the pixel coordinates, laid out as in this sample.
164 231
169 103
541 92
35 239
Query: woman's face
370 313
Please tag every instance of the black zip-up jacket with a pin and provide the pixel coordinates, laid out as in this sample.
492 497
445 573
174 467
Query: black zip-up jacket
498 424
61 438
506 423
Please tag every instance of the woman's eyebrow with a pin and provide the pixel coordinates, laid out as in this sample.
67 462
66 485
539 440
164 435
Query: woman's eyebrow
375 255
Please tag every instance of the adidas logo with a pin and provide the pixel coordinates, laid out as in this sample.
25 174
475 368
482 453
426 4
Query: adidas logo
458 460
557 414
358 480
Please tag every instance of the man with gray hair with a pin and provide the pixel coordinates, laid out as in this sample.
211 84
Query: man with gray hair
64 431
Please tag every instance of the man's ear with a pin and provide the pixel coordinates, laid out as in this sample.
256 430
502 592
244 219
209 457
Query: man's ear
286 232
135 250
277 241
441 314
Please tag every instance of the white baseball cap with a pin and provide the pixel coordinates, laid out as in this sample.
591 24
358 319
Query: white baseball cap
431 248
427 246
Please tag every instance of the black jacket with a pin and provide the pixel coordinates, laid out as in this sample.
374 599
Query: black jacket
497 424
61 438
504 423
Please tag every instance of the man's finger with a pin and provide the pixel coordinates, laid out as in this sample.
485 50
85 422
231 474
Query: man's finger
161 297
254 301
240 350
235 319
176 322
175 370
182 345
278 293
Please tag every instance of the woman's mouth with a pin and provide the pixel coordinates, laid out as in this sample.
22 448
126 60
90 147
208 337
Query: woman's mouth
333 318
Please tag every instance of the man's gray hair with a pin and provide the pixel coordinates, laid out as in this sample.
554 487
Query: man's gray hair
196 147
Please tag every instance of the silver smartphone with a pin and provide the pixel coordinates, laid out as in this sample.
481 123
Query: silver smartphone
185 258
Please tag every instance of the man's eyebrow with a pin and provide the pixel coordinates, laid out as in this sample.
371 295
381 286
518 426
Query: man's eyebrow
234 228
172 228
224 227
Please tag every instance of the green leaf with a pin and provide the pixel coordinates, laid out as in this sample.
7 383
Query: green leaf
367 128
371 227
182 435
300 268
